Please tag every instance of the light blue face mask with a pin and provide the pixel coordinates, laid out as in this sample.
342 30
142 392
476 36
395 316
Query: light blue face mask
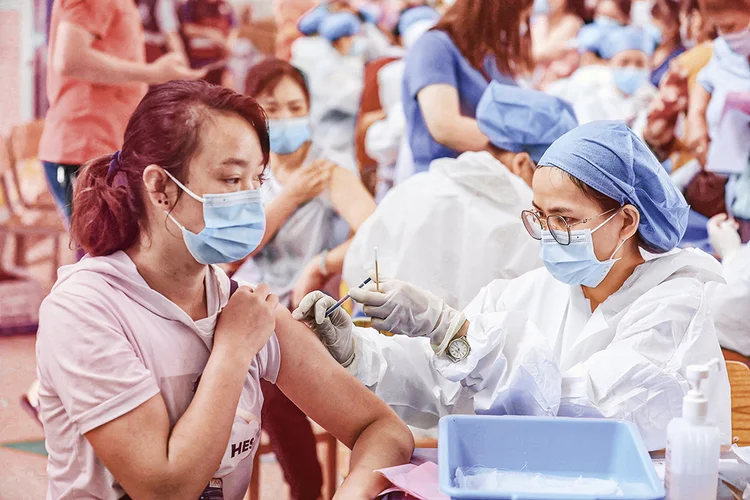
576 263
629 80
541 7
235 225
289 134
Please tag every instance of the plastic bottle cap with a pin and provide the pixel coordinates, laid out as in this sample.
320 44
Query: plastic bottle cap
695 402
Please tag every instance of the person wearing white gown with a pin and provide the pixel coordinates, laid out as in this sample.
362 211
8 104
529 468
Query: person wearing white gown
606 329
336 80
619 90
451 228
729 301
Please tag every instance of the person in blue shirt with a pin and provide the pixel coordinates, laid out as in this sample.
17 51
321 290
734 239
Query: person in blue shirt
665 18
448 69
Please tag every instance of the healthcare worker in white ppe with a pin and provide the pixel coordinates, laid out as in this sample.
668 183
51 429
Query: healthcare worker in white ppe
336 81
603 330
455 227
729 301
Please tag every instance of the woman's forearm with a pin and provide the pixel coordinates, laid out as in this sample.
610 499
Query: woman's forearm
199 439
461 134
382 444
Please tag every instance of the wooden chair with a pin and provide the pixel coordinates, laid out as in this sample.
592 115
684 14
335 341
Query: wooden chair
27 226
330 467
734 356
739 381
24 148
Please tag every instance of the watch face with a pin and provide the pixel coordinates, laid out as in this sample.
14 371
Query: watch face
459 349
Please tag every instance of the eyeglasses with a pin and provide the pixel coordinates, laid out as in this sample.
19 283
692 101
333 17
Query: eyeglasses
556 224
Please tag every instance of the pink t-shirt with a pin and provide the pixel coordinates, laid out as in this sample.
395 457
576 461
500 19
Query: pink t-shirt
87 119
107 343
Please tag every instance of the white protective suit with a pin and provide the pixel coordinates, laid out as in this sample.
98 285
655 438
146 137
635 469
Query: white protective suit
536 349
729 304
594 96
336 83
449 230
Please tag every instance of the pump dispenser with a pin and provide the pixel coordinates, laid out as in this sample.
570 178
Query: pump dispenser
693 442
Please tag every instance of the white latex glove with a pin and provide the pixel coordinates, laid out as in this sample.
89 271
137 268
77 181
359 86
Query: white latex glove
723 235
404 309
335 332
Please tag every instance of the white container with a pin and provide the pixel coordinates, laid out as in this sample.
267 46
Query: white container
693 444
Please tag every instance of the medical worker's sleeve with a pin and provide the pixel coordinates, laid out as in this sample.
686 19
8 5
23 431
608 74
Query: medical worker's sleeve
85 359
431 61
397 369
728 304
511 369
706 76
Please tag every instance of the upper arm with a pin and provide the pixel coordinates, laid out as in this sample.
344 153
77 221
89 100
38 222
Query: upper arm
320 387
440 106
430 78
350 198
134 446
70 39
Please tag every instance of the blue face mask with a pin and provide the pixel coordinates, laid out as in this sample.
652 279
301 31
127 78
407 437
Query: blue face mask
288 135
628 80
576 263
235 225
541 7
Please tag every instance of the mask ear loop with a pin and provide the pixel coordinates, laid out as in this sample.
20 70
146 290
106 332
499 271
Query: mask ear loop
605 222
618 249
183 187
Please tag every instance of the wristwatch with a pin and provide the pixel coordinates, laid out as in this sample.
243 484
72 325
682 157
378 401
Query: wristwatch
458 349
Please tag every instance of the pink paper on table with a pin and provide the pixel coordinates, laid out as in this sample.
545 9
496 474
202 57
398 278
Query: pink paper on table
421 481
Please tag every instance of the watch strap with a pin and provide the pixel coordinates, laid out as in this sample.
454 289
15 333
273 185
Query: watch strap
455 326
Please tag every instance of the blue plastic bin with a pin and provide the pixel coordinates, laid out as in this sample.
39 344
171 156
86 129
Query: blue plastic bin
600 448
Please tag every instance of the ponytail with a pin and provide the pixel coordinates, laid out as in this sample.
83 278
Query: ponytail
106 215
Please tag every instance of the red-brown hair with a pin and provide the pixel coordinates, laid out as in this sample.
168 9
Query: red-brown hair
578 8
266 75
482 28
713 6
109 207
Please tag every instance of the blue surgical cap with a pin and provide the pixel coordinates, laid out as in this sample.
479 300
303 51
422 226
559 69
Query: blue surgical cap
339 25
309 23
414 15
372 13
624 38
610 158
519 120
589 38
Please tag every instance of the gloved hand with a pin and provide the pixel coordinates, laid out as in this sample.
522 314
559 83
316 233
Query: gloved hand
723 235
404 309
335 332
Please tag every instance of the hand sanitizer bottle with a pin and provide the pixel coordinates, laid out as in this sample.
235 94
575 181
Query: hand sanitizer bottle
693 443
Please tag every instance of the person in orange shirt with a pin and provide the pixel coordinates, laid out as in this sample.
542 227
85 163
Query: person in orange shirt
96 77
